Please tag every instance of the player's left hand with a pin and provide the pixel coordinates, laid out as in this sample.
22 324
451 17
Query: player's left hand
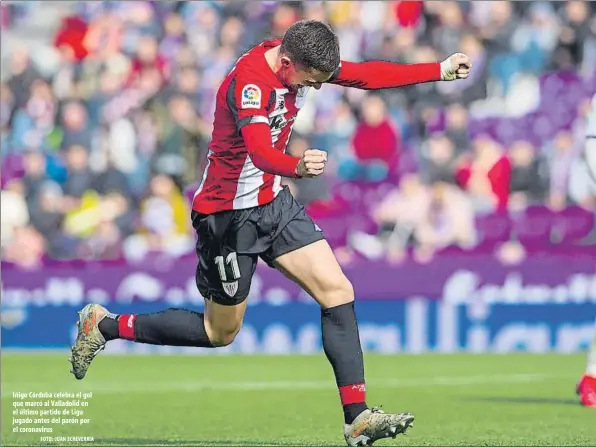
456 66
311 164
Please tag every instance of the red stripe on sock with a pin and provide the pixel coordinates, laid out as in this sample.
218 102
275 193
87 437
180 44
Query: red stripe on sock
126 326
352 394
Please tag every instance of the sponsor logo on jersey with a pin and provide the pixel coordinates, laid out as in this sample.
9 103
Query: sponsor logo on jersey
277 123
251 97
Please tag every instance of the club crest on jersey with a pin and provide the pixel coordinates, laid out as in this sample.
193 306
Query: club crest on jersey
251 97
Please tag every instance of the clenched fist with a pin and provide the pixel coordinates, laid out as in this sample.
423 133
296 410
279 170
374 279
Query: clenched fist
456 66
312 163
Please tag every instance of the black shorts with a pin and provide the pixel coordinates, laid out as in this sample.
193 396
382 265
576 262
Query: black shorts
230 243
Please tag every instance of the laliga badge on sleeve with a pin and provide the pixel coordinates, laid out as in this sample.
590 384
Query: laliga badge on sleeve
251 97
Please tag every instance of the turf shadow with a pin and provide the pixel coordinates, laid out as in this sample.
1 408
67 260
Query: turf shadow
525 400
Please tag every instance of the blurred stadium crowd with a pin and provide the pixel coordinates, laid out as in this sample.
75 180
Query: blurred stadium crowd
105 129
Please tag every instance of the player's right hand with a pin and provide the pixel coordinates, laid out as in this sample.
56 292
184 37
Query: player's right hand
312 163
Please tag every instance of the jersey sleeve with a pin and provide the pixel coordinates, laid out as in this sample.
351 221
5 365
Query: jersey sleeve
266 157
375 75
249 100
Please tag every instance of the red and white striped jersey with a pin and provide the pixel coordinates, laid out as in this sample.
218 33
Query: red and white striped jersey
250 93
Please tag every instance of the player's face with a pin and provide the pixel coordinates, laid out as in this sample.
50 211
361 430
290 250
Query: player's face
296 77
310 78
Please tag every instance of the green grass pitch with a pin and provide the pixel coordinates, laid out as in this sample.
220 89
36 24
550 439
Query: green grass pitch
292 401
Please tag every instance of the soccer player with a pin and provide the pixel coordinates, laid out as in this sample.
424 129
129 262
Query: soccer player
586 388
240 213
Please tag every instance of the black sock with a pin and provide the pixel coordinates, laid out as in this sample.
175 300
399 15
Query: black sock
171 327
109 327
341 343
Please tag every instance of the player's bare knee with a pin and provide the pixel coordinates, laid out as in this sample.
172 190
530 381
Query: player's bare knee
336 292
221 335
224 338
222 323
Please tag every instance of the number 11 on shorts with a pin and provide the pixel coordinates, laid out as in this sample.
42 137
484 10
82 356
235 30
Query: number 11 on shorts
229 285
232 261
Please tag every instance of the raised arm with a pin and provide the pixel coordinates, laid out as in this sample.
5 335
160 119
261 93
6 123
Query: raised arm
375 75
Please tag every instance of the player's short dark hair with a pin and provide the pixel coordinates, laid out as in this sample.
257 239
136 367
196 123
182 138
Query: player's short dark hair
313 45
